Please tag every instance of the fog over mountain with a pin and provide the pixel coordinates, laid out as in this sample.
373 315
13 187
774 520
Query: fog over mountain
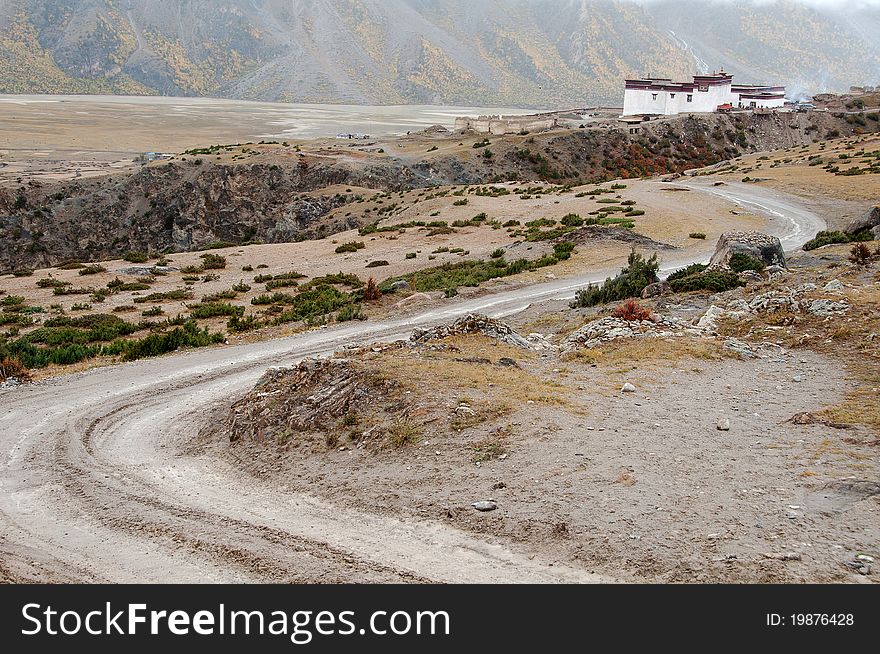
487 52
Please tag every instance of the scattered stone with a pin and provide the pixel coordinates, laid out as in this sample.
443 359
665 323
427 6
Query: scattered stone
657 289
791 515
628 388
833 285
740 348
723 424
485 506
508 362
787 556
540 343
827 307
609 328
751 277
709 320
474 323
861 567
774 272
400 285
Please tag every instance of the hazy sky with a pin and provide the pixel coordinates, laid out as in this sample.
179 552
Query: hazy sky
827 4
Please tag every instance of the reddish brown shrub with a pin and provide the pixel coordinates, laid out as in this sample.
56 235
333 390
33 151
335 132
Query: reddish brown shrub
372 292
10 368
631 310
860 254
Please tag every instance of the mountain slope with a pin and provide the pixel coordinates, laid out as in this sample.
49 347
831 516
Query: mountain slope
503 52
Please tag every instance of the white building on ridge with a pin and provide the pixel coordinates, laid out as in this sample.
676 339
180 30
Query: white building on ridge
706 94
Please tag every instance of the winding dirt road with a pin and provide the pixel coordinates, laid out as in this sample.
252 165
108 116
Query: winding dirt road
97 482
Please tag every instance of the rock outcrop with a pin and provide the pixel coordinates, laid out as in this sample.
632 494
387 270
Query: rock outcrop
869 220
474 323
754 244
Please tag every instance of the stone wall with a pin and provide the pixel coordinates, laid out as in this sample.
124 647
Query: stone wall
500 125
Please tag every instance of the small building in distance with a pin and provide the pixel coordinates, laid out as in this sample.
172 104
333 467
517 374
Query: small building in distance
705 94
500 125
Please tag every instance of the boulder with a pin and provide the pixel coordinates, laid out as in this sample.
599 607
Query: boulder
869 220
656 290
755 244
751 277
400 285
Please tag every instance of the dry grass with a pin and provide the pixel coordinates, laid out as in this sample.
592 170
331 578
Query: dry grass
493 446
458 370
651 353
403 432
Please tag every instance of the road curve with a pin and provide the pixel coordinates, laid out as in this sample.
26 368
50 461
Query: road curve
97 483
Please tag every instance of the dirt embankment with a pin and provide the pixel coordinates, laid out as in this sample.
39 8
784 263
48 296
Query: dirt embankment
273 194
743 451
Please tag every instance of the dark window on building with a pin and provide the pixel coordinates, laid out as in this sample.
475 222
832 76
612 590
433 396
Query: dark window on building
690 98
672 95
704 88
653 96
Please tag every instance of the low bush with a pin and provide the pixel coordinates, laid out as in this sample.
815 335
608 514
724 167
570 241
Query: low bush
238 324
714 281
740 262
693 269
630 283
700 236
632 311
212 261
350 312
372 292
136 257
860 254
831 238
11 368
93 269
352 246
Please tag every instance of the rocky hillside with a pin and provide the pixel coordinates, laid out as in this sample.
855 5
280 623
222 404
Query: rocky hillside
503 52
274 194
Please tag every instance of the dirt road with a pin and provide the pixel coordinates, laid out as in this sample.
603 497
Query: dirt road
97 482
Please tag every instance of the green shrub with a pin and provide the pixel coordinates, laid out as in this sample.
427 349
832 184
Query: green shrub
350 312
630 283
352 246
740 262
214 309
12 301
173 296
93 269
831 238
136 257
693 269
715 281
49 282
237 324
498 254
212 261
700 236
156 344
378 264
572 220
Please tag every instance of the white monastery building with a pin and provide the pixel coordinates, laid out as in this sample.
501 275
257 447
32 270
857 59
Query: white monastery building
706 94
